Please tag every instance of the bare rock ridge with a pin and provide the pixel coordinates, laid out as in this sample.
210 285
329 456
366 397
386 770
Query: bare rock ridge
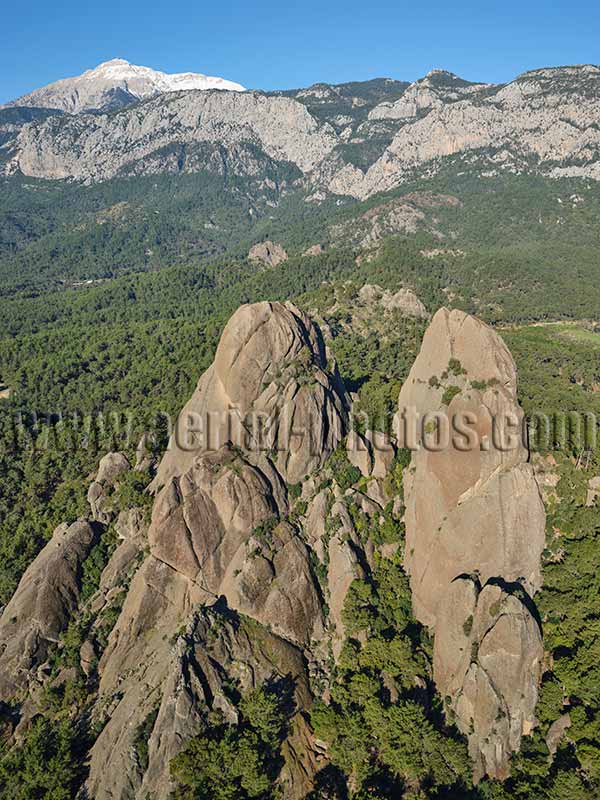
546 118
114 84
101 146
475 526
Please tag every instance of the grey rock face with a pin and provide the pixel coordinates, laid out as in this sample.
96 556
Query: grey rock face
433 91
99 147
528 118
41 607
547 117
179 688
111 466
475 531
267 391
114 84
404 300
268 253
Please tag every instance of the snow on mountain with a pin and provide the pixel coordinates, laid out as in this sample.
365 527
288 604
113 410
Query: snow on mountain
117 83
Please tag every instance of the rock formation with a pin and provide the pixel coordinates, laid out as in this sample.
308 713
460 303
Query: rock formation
174 133
99 494
267 391
404 300
268 253
474 535
265 512
545 118
221 541
41 607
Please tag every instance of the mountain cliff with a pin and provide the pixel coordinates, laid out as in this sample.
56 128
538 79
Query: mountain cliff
475 532
352 143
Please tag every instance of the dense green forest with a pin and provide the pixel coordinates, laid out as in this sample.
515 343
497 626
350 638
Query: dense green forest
531 238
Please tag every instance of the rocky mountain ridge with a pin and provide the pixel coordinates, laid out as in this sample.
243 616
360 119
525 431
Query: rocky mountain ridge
114 84
352 143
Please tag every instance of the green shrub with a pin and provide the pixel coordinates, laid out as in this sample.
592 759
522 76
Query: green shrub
236 762
449 394
344 473
47 765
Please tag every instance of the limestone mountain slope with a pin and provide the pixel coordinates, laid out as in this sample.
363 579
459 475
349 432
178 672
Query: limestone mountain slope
114 84
178 132
544 120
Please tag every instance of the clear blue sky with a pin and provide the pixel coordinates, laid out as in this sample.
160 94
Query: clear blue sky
270 45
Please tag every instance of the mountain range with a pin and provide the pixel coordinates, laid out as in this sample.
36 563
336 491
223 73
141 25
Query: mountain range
114 84
353 140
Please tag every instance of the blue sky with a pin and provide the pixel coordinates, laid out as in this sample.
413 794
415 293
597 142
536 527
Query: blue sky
270 45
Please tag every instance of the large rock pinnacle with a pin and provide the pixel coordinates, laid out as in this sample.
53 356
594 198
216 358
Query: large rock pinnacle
268 391
474 534
225 569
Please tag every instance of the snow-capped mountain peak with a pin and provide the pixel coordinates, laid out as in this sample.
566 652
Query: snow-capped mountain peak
117 83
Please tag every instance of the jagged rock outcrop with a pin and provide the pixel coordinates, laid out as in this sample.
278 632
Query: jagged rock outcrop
41 607
436 89
268 253
313 250
145 458
111 466
408 214
228 586
268 390
556 732
404 300
475 526
214 648
131 527
342 570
